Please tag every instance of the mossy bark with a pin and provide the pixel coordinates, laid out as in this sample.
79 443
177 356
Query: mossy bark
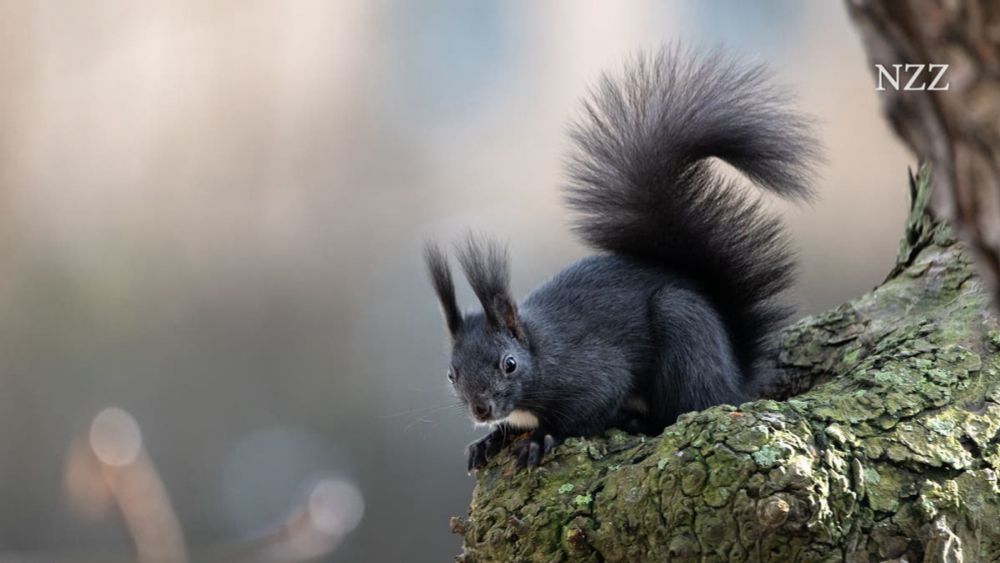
884 445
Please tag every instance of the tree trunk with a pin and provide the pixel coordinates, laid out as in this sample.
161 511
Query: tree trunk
957 130
888 449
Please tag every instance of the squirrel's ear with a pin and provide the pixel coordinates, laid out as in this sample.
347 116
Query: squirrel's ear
487 267
437 264
506 313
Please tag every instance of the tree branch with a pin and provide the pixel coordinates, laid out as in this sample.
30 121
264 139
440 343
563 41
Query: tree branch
890 452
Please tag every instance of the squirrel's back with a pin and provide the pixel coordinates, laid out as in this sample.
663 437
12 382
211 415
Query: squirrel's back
643 184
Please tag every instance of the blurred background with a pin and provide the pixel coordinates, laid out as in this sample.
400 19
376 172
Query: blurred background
217 341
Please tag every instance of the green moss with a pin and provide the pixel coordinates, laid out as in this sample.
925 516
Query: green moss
798 404
583 500
693 478
852 355
993 337
883 489
871 476
768 455
941 426
891 378
936 498
566 488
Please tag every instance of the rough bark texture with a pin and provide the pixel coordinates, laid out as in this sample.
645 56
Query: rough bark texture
958 130
889 448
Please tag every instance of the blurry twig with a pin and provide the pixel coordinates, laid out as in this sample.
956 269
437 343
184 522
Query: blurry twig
109 468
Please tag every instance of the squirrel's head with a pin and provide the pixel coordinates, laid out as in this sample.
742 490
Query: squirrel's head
490 358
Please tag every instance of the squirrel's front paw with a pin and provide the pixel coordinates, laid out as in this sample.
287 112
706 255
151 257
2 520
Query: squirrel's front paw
482 450
529 452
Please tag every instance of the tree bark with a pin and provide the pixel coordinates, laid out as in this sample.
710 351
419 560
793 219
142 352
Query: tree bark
887 450
956 130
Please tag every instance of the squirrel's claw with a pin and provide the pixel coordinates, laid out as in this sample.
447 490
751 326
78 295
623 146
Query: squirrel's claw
530 455
548 443
530 451
482 450
472 457
476 455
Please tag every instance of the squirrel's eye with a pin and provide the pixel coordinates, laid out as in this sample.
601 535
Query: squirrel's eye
508 364
451 375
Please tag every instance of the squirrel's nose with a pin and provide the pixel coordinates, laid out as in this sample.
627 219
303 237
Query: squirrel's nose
482 410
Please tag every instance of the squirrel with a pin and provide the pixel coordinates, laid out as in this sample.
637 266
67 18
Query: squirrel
674 312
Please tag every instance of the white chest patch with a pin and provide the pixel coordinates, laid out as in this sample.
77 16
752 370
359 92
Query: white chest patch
522 419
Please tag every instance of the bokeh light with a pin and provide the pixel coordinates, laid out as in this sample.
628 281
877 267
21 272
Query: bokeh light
336 506
115 437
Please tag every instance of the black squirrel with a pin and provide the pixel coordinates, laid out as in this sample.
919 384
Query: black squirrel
673 315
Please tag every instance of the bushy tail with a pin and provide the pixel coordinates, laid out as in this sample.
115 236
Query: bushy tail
644 187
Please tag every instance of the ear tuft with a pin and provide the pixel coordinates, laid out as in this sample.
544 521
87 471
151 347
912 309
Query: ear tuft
487 267
437 265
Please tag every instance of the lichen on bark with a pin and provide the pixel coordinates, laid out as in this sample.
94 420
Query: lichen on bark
879 442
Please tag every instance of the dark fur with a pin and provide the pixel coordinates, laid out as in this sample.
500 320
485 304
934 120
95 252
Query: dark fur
673 316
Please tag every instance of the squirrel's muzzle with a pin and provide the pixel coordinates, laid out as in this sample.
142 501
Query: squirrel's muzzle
482 410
